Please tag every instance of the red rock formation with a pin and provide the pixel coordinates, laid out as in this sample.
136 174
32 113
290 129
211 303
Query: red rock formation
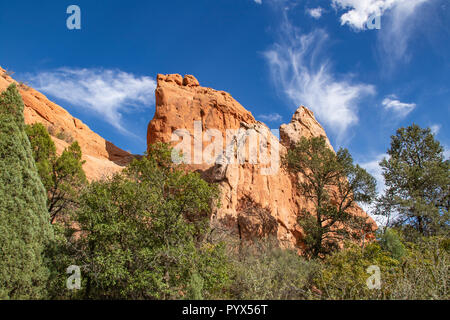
303 124
181 101
252 203
101 156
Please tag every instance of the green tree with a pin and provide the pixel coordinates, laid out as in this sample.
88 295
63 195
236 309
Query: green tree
63 176
334 185
139 235
44 151
391 241
24 220
417 178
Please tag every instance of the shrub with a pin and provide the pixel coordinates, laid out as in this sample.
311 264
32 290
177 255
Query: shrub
422 272
425 272
139 235
60 134
263 271
23 85
65 136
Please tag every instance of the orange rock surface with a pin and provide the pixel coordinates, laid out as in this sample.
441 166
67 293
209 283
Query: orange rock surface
303 124
252 203
101 156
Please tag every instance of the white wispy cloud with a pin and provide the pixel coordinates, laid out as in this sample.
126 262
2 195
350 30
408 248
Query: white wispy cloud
305 78
397 31
107 93
400 109
446 152
316 13
258 1
398 24
358 12
271 117
435 128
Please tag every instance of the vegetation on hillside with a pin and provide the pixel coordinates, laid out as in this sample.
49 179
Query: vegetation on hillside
144 233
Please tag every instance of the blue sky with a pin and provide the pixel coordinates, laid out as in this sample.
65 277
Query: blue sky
271 55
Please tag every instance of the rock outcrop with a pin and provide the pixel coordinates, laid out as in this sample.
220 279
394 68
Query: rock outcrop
101 156
303 124
181 101
258 198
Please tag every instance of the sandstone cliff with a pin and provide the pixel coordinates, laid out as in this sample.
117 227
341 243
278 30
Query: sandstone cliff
101 156
254 202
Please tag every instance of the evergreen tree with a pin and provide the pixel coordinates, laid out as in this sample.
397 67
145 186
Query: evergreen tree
334 185
63 176
44 151
417 178
24 220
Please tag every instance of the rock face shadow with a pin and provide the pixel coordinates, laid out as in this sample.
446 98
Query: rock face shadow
117 155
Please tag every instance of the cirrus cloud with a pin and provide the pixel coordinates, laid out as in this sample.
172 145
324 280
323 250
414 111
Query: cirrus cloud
397 26
298 72
271 117
107 93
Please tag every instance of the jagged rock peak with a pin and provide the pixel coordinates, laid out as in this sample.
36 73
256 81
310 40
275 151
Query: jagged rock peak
187 81
181 101
303 124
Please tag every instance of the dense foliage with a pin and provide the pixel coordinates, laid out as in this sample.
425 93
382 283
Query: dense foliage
139 235
420 273
24 220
